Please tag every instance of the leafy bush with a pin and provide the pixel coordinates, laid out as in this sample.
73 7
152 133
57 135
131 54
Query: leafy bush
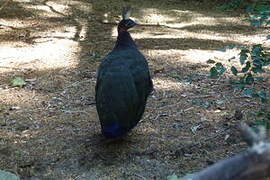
232 5
258 10
261 18
253 62
260 117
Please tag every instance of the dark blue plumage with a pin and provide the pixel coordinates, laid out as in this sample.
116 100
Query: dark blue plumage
123 85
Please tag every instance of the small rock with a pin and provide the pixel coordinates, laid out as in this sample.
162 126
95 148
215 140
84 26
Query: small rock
187 155
14 108
77 101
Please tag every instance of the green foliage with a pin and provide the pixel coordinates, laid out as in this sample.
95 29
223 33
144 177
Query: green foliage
232 5
259 10
18 82
253 61
259 13
262 118
217 70
234 70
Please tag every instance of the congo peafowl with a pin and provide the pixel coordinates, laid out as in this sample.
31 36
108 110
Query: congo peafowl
123 84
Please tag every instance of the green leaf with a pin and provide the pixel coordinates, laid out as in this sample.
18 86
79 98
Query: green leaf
219 65
257 62
210 61
263 96
259 122
18 82
220 68
234 70
214 73
242 79
246 68
262 8
249 92
217 71
249 79
262 122
260 113
244 50
257 70
266 62
243 58
256 50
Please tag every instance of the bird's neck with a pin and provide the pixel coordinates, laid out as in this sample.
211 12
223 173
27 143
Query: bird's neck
124 40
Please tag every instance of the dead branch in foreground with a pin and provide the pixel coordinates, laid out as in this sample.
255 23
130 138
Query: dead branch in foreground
254 164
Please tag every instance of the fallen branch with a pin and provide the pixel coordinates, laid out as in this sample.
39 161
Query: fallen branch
254 164
73 111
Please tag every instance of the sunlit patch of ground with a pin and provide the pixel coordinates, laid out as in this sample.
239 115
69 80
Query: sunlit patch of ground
49 128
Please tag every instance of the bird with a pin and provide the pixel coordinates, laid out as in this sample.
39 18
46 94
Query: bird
123 83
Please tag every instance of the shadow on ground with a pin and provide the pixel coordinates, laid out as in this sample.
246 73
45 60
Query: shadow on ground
55 131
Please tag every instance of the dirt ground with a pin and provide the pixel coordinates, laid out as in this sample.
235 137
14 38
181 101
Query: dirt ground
49 129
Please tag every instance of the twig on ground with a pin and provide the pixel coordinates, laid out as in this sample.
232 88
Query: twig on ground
92 103
73 111
203 96
140 176
77 83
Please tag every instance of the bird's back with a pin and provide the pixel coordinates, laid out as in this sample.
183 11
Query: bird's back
123 84
121 91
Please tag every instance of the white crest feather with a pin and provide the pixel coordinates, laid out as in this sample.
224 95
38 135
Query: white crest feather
126 13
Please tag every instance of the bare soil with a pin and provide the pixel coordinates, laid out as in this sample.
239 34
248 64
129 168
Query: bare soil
49 129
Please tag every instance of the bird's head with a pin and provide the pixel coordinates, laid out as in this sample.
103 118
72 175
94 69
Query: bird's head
126 23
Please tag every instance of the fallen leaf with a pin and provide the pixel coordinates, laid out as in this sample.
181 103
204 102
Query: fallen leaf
18 82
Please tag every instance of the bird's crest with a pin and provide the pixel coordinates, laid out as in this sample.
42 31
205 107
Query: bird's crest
126 12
